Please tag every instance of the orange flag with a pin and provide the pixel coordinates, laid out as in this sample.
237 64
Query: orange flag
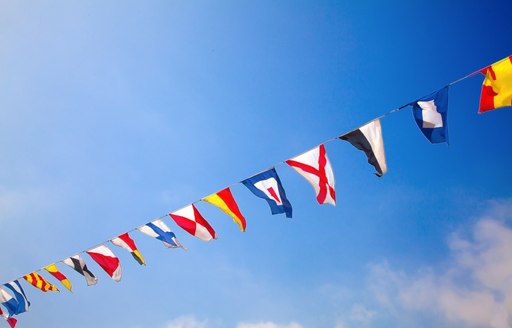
38 281
497 86
225 201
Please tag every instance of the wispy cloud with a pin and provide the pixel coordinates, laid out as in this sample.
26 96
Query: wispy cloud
186 322
475 289
268 324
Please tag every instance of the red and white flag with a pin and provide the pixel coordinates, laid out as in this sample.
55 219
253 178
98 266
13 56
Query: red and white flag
107 261
193 222
315 167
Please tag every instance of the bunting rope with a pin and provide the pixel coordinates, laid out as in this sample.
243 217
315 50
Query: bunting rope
398 109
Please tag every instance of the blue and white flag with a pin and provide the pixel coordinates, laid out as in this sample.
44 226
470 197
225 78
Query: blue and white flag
8 302
159 230
267 185
19 294
430 113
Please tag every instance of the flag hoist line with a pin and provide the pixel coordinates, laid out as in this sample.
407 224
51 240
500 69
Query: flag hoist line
277 164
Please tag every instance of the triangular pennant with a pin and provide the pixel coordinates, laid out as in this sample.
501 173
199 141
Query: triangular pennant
9 302
226 202
127 243
23 303
315 167
39 282
54 271
159 230
497 85
78 264
190 220
431 115
368 138
267 185
107 261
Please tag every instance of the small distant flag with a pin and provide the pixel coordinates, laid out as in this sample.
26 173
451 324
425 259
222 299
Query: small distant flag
431 115
127 243
78 264
315 167
225 201
9 302
39 282
159 230
190 220
368 138
107 261
497 85
23 304
267 185
12 322
54 271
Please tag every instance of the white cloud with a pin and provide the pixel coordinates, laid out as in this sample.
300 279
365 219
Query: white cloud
359 313
268 324
475 290
186 322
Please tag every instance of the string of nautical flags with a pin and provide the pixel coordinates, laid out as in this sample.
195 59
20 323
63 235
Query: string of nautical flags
429 112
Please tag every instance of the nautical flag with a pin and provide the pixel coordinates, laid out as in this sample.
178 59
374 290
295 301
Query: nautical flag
9 302
497 86
23 303
54 271
107 261
78 264
315 167
431 115
127 243
368 138
12 322
225 201
159 230
39 282
191 221
267 185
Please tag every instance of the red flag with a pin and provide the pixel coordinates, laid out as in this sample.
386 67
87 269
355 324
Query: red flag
193 222
107 261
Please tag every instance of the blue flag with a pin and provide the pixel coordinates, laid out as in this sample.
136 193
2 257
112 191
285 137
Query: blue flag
159 230
8 302
19 294
267 185
430 113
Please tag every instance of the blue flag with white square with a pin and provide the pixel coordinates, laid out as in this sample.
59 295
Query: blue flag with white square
23 303
430 113
267 185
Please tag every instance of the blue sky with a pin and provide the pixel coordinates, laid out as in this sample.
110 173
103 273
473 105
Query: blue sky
113 114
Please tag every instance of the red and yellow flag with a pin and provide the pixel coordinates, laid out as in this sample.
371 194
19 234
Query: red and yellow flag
38 281
225 201
497 86
54 271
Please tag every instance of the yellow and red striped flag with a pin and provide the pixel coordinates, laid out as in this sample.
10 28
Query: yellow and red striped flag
54 271
225 201
38 281
497 86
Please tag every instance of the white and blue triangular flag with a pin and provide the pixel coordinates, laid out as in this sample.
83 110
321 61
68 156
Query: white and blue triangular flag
430 113
267 185
8 302
159 230
19 294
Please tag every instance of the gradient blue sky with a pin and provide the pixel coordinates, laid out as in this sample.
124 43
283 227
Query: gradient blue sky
115 113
